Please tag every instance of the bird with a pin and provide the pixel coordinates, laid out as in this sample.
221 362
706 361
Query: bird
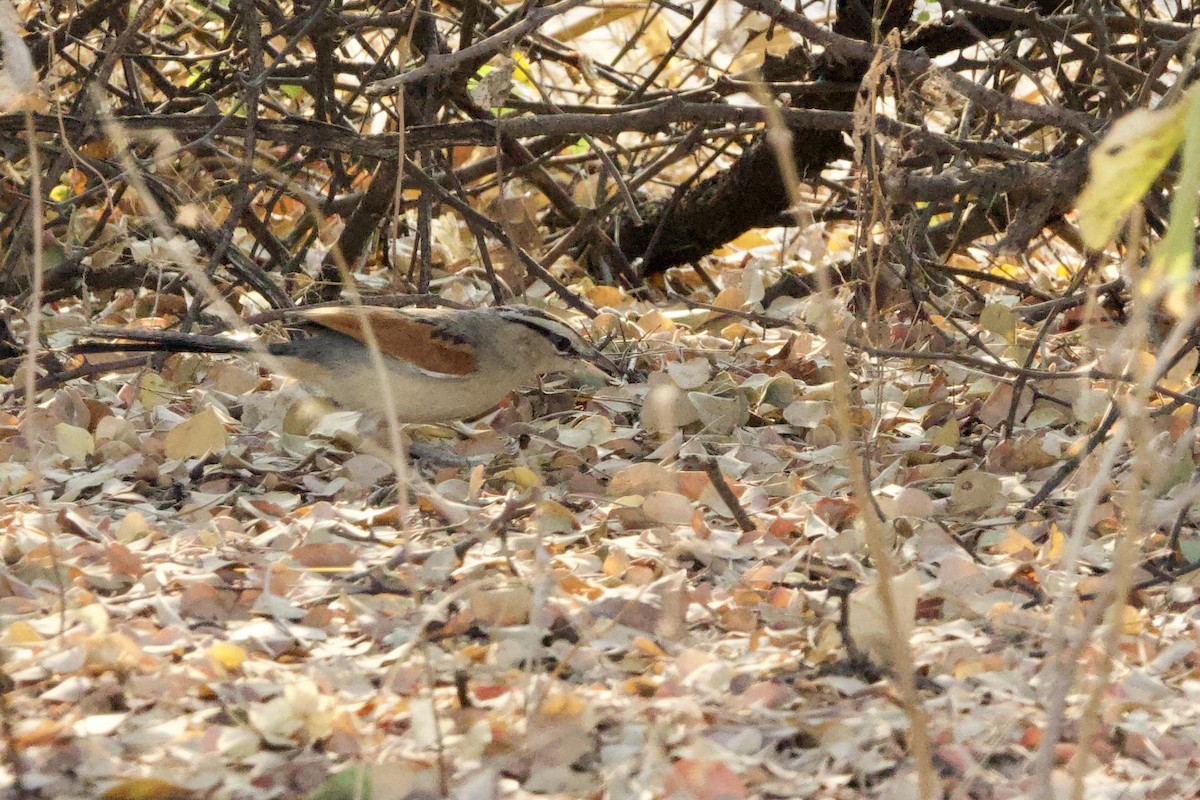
441 364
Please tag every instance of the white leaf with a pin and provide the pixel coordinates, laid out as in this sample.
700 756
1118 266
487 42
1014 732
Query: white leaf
872 628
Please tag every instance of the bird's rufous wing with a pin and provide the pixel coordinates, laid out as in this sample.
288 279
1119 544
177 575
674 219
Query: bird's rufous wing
422 340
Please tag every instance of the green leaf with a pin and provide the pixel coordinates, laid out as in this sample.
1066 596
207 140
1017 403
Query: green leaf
1172 262
1189 548
352 783
1125 165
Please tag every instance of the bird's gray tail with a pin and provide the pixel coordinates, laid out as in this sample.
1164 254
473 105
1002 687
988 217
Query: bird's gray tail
149 340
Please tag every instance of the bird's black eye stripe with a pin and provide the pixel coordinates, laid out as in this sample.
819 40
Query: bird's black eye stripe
563 344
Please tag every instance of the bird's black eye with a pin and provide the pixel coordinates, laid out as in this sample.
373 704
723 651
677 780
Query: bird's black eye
562 344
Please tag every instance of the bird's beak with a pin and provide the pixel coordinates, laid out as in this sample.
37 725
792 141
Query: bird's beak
606 365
